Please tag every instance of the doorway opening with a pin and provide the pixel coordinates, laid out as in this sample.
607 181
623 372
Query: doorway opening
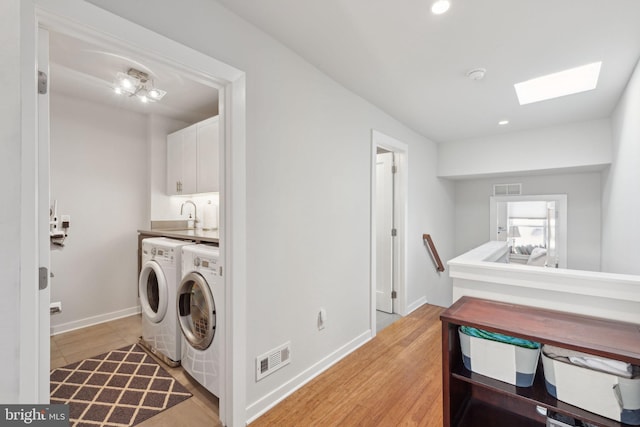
108 177
101 28
534 227
388 230
108 168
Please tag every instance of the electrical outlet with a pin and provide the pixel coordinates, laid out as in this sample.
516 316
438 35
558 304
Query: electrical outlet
55 307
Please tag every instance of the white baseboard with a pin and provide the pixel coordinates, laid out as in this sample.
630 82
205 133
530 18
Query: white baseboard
262 405
93 320
416 305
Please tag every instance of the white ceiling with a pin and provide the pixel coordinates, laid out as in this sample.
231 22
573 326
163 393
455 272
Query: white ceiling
413 64
86 70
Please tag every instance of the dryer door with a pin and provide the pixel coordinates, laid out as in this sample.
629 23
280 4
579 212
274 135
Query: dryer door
153 291
196 311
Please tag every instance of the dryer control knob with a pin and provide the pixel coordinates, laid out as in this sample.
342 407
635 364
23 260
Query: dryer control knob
196 261
153 251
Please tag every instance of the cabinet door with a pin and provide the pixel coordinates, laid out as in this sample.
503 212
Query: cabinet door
189 155
208 156
174 162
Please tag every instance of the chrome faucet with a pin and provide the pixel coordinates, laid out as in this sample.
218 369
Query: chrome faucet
195 211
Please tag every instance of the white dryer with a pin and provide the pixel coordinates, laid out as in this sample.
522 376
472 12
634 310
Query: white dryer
158 282
201 310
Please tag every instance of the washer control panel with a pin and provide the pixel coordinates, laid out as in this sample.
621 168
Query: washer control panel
209 264
160 253
204 263
203 259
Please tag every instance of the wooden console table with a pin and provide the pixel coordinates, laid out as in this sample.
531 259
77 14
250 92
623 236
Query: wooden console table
471 399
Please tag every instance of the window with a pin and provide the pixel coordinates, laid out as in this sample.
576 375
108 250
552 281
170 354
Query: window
527 234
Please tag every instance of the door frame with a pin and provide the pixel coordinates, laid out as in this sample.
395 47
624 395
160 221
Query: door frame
401 154
81 19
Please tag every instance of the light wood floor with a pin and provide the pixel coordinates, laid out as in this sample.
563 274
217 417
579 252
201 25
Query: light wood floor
393 380
199 410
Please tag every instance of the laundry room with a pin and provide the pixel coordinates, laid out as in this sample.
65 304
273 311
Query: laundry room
108 173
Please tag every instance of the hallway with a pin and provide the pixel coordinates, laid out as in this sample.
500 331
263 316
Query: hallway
395 379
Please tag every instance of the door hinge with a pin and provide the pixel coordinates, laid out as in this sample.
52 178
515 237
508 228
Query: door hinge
42 83
43 278
394 295
220 271
394 169
394 232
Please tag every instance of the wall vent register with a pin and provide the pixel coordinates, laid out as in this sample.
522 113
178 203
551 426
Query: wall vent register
273 360
507 189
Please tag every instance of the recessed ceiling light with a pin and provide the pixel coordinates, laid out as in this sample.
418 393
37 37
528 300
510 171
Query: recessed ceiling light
440 6
503 122
566 82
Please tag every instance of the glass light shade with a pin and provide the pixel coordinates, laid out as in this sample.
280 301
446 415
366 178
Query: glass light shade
156 94
127 83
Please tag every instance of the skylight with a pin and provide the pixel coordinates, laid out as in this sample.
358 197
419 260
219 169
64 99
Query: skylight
566 82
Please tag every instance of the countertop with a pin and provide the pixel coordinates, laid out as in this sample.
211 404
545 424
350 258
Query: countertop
211 236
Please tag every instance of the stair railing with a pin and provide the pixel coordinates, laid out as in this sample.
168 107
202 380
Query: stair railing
426 238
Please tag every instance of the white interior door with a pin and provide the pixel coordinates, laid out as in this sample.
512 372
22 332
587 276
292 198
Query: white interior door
384 225
44 255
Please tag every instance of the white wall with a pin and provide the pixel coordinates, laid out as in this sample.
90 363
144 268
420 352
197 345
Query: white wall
10 208
431 208
621 204
577 145
583 216
308 194
99 177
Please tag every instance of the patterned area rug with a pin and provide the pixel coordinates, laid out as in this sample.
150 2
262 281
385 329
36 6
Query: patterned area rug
120 388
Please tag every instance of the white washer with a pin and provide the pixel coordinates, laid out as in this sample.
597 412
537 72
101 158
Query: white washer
158 282
201 317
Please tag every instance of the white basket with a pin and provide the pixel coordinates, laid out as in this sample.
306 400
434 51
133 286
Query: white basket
505 362
605 394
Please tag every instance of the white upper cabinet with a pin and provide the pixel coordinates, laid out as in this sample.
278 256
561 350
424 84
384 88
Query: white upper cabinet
192 158
207 162
174 162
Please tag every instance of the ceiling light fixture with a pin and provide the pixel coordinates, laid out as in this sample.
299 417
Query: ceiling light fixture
137 83
503 122
440 6
566 82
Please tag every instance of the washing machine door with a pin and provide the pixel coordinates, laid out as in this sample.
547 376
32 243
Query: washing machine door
153 288
196 311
